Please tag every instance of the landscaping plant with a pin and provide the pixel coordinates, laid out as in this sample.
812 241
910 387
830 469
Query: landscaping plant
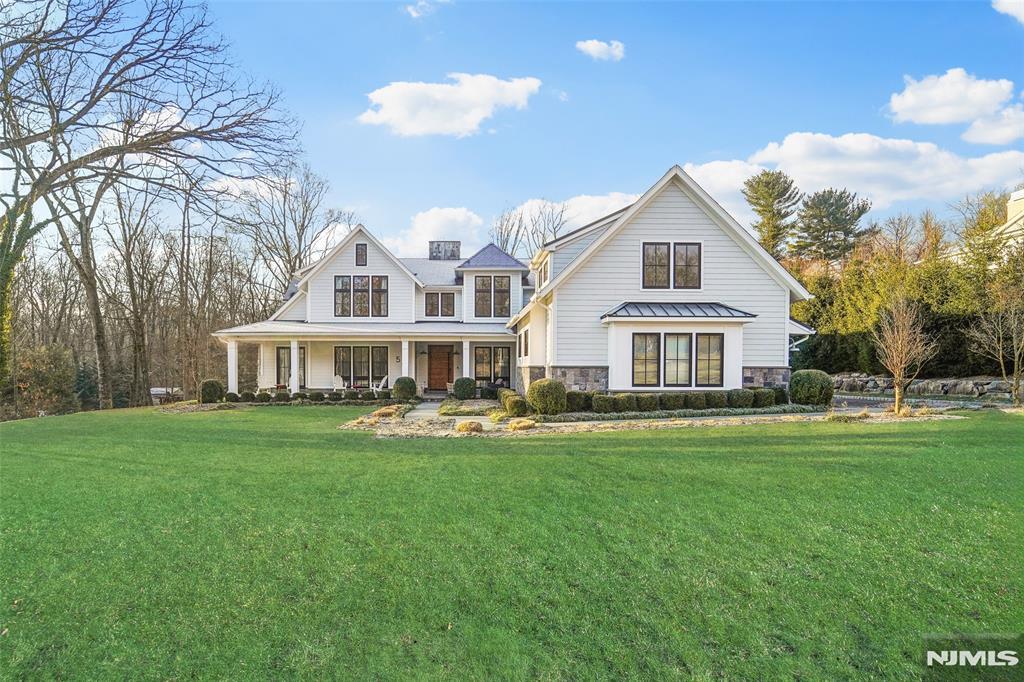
810 387
211 391
547 396
464 388
404 388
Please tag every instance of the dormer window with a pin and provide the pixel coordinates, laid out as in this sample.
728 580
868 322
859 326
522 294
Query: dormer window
361 254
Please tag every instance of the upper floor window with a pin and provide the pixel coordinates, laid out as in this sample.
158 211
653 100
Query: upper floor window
686 265
655 265
493 296
502 296
447 304
439 304
482 296
543 274
342 296
361 296
360 254
379 296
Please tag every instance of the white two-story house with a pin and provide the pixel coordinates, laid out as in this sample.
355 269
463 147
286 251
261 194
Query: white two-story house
667 294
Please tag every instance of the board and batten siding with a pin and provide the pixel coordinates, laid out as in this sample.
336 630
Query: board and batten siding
401 288
613 275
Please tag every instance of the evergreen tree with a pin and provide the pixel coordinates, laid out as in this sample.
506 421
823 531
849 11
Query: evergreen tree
774 197
827 224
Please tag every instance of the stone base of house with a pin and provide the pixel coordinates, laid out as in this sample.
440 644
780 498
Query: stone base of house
582 378
765 377
527 375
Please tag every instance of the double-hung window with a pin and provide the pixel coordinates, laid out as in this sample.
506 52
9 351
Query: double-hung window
342 296
677 359
379 296
656 268
709 359
482 296
646 361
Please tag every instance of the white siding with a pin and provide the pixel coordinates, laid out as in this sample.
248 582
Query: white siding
421 309
401 288
613 275
295 309
469 299
567 253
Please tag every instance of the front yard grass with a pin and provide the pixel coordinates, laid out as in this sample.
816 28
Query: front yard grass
266 543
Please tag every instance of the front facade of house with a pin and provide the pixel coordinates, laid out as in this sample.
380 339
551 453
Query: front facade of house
668 294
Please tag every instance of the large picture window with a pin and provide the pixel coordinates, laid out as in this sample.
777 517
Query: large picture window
359 365
361 296
482 296
645 359
284 361
342 296
677 359
493 364
686 270
379 296
502 295
709 359
655 265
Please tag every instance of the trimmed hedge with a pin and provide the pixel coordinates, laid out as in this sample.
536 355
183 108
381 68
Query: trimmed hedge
404 388
488 393
335 396
781 395
351 394
231 397
715 399
464 388
695 401
672 401
604 404
384 394
579 401
646 402
300 395
211 391
741 397
367 394
247 397
810 387
282 397
674 414
625 402
503 395
316 396
546 396
516 406
262 398
764 397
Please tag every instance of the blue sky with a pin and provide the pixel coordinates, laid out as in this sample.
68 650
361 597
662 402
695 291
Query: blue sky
721 88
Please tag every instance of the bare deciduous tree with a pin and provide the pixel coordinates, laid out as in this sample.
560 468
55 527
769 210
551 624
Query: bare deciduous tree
546 222
999 331
509 231
902 344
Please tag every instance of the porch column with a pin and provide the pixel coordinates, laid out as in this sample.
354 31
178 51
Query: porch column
405 357
466 363
293 378
232 366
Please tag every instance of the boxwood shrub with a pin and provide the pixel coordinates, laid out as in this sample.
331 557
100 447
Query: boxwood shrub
488 392
263 398
247 397
299 395
672 401
764 397
351 394
282 397
604 403
546 396
516 406
715 399
231 397
367 394
316 396
625 402
503 395
781 395
695 401
384 394
646 402
404 388
211 391
579 401
464 388
741 397
810 387
335 396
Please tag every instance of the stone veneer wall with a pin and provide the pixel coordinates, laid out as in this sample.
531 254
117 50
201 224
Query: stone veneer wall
527 375
765 377
582 378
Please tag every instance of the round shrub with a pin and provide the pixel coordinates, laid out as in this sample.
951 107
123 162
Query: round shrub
367 394
282 397
231 397
316 396
695 401
464 388
299 395
672 401
646 402
579 401
547 396
781 395
262 398
741 397
211 391
604 404
516 406
335 396
351 394
625 402
810 387
247 397
404 388
764 397
469 427
713 399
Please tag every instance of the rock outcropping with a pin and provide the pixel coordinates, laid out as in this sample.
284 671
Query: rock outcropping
855 382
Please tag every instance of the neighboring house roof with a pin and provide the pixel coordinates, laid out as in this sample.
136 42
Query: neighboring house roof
490 258
715 311
279 327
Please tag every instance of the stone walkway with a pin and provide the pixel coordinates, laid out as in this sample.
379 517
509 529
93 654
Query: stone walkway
428 410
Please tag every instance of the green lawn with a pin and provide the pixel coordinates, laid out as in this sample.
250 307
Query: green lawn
265 543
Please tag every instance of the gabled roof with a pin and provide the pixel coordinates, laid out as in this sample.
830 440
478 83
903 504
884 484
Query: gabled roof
490 258
580 231
358 230
711 311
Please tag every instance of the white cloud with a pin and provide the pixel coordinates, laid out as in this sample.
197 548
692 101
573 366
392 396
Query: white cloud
954 97
723 181
458 108
583 208
1013 8
598 49
1001 128
438 223
422 8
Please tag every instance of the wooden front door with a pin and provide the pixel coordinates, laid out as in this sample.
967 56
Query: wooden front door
440 371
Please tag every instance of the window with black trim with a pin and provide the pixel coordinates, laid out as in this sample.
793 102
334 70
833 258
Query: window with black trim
360 254
361 296
284 362
709 359
502 295
360 366
482 363
431 304
482 296
447 304
656 265
378 363
379 296
677 359
342 296
646 363
343 362
502 364
686 265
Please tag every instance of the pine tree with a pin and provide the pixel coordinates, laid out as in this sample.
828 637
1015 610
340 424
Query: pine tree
774 197
827 224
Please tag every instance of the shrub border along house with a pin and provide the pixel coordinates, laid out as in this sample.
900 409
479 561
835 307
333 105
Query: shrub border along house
675 414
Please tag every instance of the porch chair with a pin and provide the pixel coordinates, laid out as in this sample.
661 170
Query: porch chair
339 383
380 385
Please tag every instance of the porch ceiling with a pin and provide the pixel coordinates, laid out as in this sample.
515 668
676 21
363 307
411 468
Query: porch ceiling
377 330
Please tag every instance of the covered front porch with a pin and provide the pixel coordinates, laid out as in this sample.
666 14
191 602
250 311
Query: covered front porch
343 357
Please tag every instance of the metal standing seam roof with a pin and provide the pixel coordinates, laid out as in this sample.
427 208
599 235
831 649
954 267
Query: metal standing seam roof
669 310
